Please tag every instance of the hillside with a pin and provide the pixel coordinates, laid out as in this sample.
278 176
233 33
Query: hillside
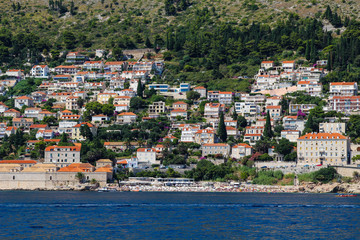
100 22
204 42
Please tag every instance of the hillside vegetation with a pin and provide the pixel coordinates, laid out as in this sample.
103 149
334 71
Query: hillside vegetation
206 42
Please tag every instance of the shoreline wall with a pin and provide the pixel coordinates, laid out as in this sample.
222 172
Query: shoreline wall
46 180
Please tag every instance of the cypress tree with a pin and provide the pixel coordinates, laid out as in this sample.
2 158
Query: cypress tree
268 133
328 66
307 50
222 128
310 122
234 116
139 89
313 53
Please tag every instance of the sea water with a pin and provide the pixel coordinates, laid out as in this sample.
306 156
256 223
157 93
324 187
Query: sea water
145 215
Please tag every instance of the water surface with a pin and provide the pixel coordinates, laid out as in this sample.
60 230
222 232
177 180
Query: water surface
143 215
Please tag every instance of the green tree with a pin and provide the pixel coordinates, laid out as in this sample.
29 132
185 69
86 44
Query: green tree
64 141
108 109
117 53
192 95
139 90
268 133
69 39
234 116
80 102
94 107
136 103
241 121
80 177
284 147
222 134
85 131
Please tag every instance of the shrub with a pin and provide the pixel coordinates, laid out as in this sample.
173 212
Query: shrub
278 175
306 177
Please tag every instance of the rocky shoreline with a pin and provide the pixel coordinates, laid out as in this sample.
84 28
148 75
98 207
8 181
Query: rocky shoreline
219 187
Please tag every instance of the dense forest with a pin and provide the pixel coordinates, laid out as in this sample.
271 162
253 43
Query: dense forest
201 49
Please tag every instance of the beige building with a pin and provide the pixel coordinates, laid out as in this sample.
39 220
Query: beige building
180 105
157 108
241 150
323 148
126 117
291 135
332 127
204 136
103 98
216 148
71 103
63 156
76 133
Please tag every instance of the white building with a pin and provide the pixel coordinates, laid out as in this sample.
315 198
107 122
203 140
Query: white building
146 156
40 71
335 127
63 156
247 108
343 89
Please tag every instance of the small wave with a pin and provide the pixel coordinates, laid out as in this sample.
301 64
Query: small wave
193 205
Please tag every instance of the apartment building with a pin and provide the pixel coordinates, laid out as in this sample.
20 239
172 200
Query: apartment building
157 108
204 136
334 127
24 101
215 148
345 103
311 88
146 156
274 111
212 110
267 64
241 150
293 123
343 89
63 156
291 135
247 108
40 71
323 148
201 90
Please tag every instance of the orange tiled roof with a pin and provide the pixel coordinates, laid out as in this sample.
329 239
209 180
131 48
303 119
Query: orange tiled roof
342 83
216 145
242 145
18 161
322 136
75 148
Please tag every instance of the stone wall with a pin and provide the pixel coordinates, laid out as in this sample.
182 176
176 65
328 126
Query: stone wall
347 171
46 180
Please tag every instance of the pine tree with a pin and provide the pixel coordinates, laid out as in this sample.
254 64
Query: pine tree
222 134
139 89
268 133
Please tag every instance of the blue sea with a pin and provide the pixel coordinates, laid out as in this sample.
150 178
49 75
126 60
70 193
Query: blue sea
144 215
